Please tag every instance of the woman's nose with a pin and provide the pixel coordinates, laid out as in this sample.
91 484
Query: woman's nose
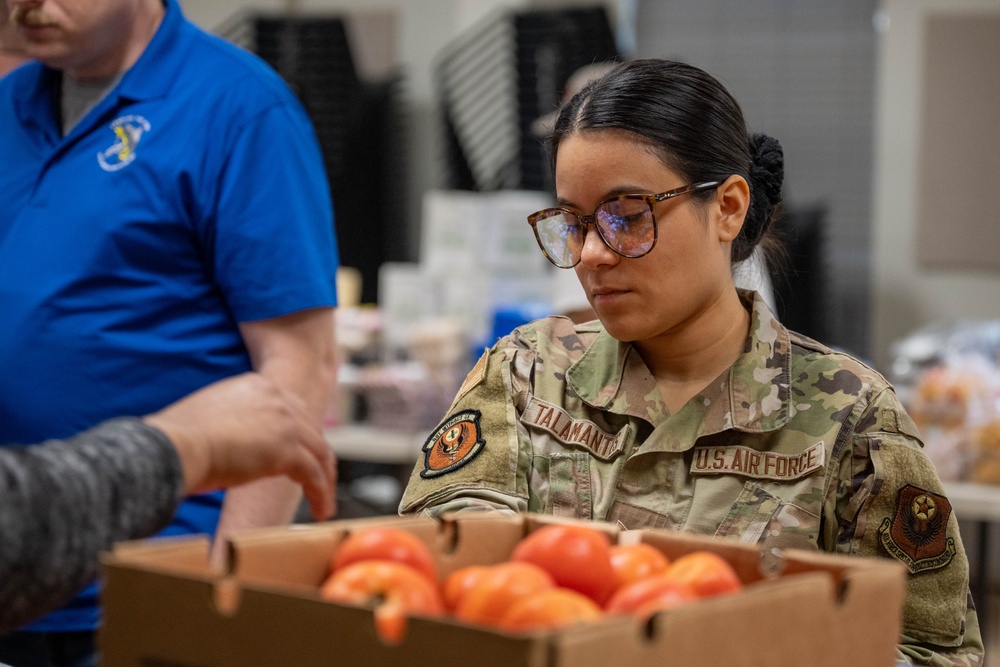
595 252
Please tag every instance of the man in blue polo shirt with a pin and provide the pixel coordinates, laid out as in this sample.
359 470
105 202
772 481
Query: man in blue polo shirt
164 222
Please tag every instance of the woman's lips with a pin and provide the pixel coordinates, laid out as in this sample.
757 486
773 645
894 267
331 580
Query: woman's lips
607 294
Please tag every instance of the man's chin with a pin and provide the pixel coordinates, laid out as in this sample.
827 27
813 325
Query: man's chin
50 53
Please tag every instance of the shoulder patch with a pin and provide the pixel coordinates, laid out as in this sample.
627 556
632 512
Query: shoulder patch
917 533
456 442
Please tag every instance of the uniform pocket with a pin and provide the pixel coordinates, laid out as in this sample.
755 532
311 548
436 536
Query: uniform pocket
758 516
570 492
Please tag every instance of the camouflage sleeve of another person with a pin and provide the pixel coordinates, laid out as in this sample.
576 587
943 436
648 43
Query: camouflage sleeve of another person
478 457
889 502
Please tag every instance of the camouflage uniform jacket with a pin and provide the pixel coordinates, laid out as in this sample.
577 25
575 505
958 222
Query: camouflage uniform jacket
796 445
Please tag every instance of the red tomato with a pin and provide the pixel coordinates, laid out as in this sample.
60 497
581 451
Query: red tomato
385 544
636 561
498 588
658 591
707 573
577 557
395 590
459 582
553 608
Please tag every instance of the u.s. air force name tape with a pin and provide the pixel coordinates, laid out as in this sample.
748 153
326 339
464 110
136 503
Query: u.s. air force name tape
757 464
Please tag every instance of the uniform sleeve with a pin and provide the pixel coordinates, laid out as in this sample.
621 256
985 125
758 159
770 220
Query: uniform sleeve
269 223
63 502
478 458
891 504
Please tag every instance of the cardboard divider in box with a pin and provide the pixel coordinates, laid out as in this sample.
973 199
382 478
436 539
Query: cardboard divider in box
163 605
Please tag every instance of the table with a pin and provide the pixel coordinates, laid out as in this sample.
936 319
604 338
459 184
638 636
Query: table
974 502
978 505
358 442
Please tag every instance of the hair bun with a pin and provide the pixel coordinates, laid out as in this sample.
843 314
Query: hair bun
767 171
767 168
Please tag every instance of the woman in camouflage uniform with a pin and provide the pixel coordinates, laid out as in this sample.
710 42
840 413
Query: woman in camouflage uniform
688 405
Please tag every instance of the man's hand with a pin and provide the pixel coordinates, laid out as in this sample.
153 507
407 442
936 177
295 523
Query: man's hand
244 428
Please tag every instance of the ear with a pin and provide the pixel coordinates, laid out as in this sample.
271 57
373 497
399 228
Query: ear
732 201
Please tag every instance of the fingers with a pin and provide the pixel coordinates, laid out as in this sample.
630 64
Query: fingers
245 428
336 480
316 472
320 483
320 479
320 474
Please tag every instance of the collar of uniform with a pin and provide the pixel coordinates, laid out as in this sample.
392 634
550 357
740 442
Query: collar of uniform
760 380
610 375
753 396
155 71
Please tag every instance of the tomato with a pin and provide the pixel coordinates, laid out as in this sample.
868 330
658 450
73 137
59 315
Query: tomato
709 574
383 543
497 588
395 590
655 592
635 561
577 557
459 582
552 608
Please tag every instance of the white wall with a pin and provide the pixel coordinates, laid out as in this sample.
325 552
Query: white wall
906 294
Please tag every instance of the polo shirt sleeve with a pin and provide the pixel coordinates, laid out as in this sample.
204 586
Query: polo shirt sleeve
271 229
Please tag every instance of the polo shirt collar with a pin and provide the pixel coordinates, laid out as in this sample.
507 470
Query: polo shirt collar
753 395
35 107
150 77
157 68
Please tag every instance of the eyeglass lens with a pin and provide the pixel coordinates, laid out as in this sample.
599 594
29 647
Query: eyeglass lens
625 224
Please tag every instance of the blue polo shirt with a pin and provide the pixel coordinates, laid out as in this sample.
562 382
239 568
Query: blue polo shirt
192 198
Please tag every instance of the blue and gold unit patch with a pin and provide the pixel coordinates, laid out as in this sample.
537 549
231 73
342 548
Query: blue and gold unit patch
456 442
917 534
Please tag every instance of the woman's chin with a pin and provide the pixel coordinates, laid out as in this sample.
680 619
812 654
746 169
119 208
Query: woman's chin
621 331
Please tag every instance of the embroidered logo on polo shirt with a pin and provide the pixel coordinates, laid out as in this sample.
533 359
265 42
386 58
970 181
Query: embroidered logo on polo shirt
456 442
128 130
917 533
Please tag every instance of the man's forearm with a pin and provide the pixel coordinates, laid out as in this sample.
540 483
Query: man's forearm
297 353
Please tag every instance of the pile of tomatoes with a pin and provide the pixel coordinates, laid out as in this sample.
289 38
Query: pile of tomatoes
558 575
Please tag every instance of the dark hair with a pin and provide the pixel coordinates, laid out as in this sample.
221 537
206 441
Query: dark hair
694 125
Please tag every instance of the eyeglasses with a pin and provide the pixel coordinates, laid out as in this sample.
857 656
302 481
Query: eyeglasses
625 223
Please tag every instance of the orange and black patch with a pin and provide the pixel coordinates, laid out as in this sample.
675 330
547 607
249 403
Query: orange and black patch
917 534
456 442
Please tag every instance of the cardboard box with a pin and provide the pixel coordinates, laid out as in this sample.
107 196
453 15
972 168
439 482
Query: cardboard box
163 606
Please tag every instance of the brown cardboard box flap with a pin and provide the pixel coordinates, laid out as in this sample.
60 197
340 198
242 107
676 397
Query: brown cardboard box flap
164 606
